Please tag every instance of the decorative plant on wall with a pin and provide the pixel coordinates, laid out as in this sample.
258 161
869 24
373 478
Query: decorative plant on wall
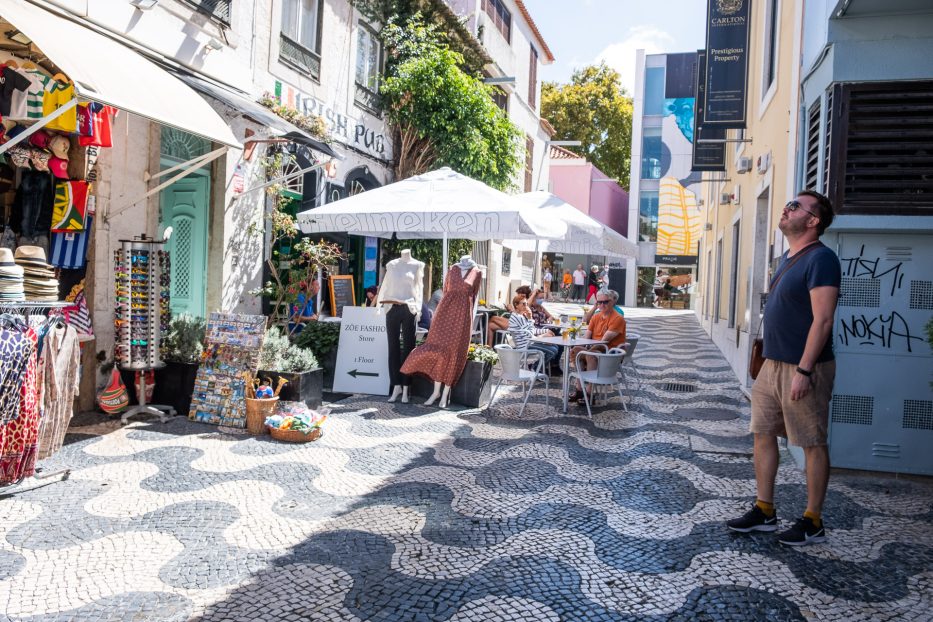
311 123
292 261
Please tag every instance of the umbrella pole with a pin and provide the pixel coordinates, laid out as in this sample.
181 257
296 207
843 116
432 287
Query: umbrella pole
537 266
445 260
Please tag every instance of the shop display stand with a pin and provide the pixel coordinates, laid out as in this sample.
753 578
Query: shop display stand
141 310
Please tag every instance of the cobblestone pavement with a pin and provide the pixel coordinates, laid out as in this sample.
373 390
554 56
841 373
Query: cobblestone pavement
406 513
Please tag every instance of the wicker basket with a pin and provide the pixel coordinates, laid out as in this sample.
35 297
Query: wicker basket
295 436
256 413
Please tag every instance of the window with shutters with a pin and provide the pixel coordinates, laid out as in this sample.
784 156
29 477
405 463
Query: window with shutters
881 157
811 170
216 9
300 38
533 78
368 64
499 16
827 143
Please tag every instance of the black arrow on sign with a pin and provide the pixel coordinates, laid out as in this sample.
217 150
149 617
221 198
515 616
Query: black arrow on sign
355 373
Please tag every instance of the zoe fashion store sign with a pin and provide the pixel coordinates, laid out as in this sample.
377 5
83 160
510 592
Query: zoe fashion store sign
357 133
727 31
362 352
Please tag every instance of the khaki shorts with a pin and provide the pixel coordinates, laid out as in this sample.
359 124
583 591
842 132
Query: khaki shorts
805 421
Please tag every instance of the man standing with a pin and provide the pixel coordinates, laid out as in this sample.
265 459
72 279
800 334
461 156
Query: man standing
579 283
791 395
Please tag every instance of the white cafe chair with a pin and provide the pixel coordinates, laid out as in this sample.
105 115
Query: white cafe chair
606 374
629 359
512 368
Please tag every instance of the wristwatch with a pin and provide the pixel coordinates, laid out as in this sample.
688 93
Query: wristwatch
804 372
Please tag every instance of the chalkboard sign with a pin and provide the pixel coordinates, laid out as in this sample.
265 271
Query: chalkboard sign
341 294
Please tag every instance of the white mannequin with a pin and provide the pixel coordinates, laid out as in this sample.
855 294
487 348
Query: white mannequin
465 264
403 284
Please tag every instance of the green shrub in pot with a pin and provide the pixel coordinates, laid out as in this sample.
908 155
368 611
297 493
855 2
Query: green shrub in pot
321 338
184 341
280 354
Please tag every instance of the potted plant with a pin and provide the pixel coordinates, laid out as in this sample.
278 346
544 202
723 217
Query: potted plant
181 349
473 388
280 358
321 338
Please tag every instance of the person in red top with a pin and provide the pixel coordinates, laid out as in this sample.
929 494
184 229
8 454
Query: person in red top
607 325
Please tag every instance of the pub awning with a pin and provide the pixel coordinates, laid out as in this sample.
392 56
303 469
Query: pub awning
107 71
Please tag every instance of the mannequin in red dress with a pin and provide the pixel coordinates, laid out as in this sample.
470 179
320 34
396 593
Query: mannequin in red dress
443 355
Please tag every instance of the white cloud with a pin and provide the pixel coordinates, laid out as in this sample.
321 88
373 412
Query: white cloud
621 56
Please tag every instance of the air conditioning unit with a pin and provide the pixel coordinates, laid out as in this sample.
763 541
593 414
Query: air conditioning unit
744 165
725 198
763 163
737 194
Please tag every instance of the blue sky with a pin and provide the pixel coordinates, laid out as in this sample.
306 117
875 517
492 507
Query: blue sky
581 32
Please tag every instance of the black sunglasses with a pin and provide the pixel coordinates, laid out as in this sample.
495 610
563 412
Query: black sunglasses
793 206
603 302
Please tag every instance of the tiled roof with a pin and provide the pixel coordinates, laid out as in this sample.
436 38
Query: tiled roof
559 153
549 57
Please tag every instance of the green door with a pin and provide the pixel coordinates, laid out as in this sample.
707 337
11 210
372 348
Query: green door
184 207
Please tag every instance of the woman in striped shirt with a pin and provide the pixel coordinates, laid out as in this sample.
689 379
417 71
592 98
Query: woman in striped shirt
522 329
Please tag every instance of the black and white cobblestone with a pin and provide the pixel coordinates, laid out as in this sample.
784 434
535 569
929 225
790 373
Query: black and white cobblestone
402 512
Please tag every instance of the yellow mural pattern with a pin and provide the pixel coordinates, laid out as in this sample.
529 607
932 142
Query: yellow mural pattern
679 222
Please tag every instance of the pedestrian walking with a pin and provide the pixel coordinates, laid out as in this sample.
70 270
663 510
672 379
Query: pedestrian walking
567 285
595 283
791 395
579 283
547 278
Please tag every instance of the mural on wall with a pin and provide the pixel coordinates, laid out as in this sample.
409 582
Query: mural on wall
679 218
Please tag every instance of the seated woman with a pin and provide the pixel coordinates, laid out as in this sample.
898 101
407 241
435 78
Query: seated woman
539 314
522 329
501 322
371 293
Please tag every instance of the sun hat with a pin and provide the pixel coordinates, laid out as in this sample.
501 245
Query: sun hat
59 146
33 254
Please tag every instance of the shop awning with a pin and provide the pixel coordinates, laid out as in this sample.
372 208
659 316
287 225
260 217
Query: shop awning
254 111
106 71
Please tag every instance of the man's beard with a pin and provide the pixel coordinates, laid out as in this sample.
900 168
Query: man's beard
792 226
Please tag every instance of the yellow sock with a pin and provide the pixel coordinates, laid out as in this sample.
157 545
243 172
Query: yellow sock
767 508
814 516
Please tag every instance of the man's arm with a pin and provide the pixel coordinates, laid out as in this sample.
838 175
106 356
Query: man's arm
823 302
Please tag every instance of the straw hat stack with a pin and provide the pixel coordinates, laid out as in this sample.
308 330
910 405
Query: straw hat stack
11 278
39 280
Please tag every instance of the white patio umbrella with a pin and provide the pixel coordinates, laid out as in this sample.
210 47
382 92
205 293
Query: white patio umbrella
441 204
585 235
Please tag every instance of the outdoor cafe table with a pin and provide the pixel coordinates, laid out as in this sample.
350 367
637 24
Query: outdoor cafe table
568 345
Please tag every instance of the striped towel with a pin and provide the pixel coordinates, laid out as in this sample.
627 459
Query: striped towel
69 249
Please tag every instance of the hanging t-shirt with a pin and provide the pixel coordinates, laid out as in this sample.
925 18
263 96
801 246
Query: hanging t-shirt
11 82
102 120
85 120
38 82
57 95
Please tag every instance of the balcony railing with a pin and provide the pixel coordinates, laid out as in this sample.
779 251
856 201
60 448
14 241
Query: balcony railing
299 57
217 9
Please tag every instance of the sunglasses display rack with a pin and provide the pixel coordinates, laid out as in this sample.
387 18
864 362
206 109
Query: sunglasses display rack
141 309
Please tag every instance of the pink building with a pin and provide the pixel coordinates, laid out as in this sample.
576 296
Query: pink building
588 189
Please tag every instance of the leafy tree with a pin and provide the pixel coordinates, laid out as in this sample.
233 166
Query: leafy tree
595 109
442 115
431 252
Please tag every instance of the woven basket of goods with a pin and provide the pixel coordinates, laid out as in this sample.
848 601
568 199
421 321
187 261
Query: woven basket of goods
296 436
256 413
297 424
260 402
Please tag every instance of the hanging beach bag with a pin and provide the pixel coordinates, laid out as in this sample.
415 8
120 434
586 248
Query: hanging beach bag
114 398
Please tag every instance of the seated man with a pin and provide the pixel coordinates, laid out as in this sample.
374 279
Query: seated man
305 308
607 325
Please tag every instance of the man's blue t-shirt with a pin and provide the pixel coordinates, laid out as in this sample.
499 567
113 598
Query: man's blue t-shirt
788 314
302 308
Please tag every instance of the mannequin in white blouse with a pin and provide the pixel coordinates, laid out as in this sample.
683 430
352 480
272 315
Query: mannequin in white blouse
400 296
465 264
